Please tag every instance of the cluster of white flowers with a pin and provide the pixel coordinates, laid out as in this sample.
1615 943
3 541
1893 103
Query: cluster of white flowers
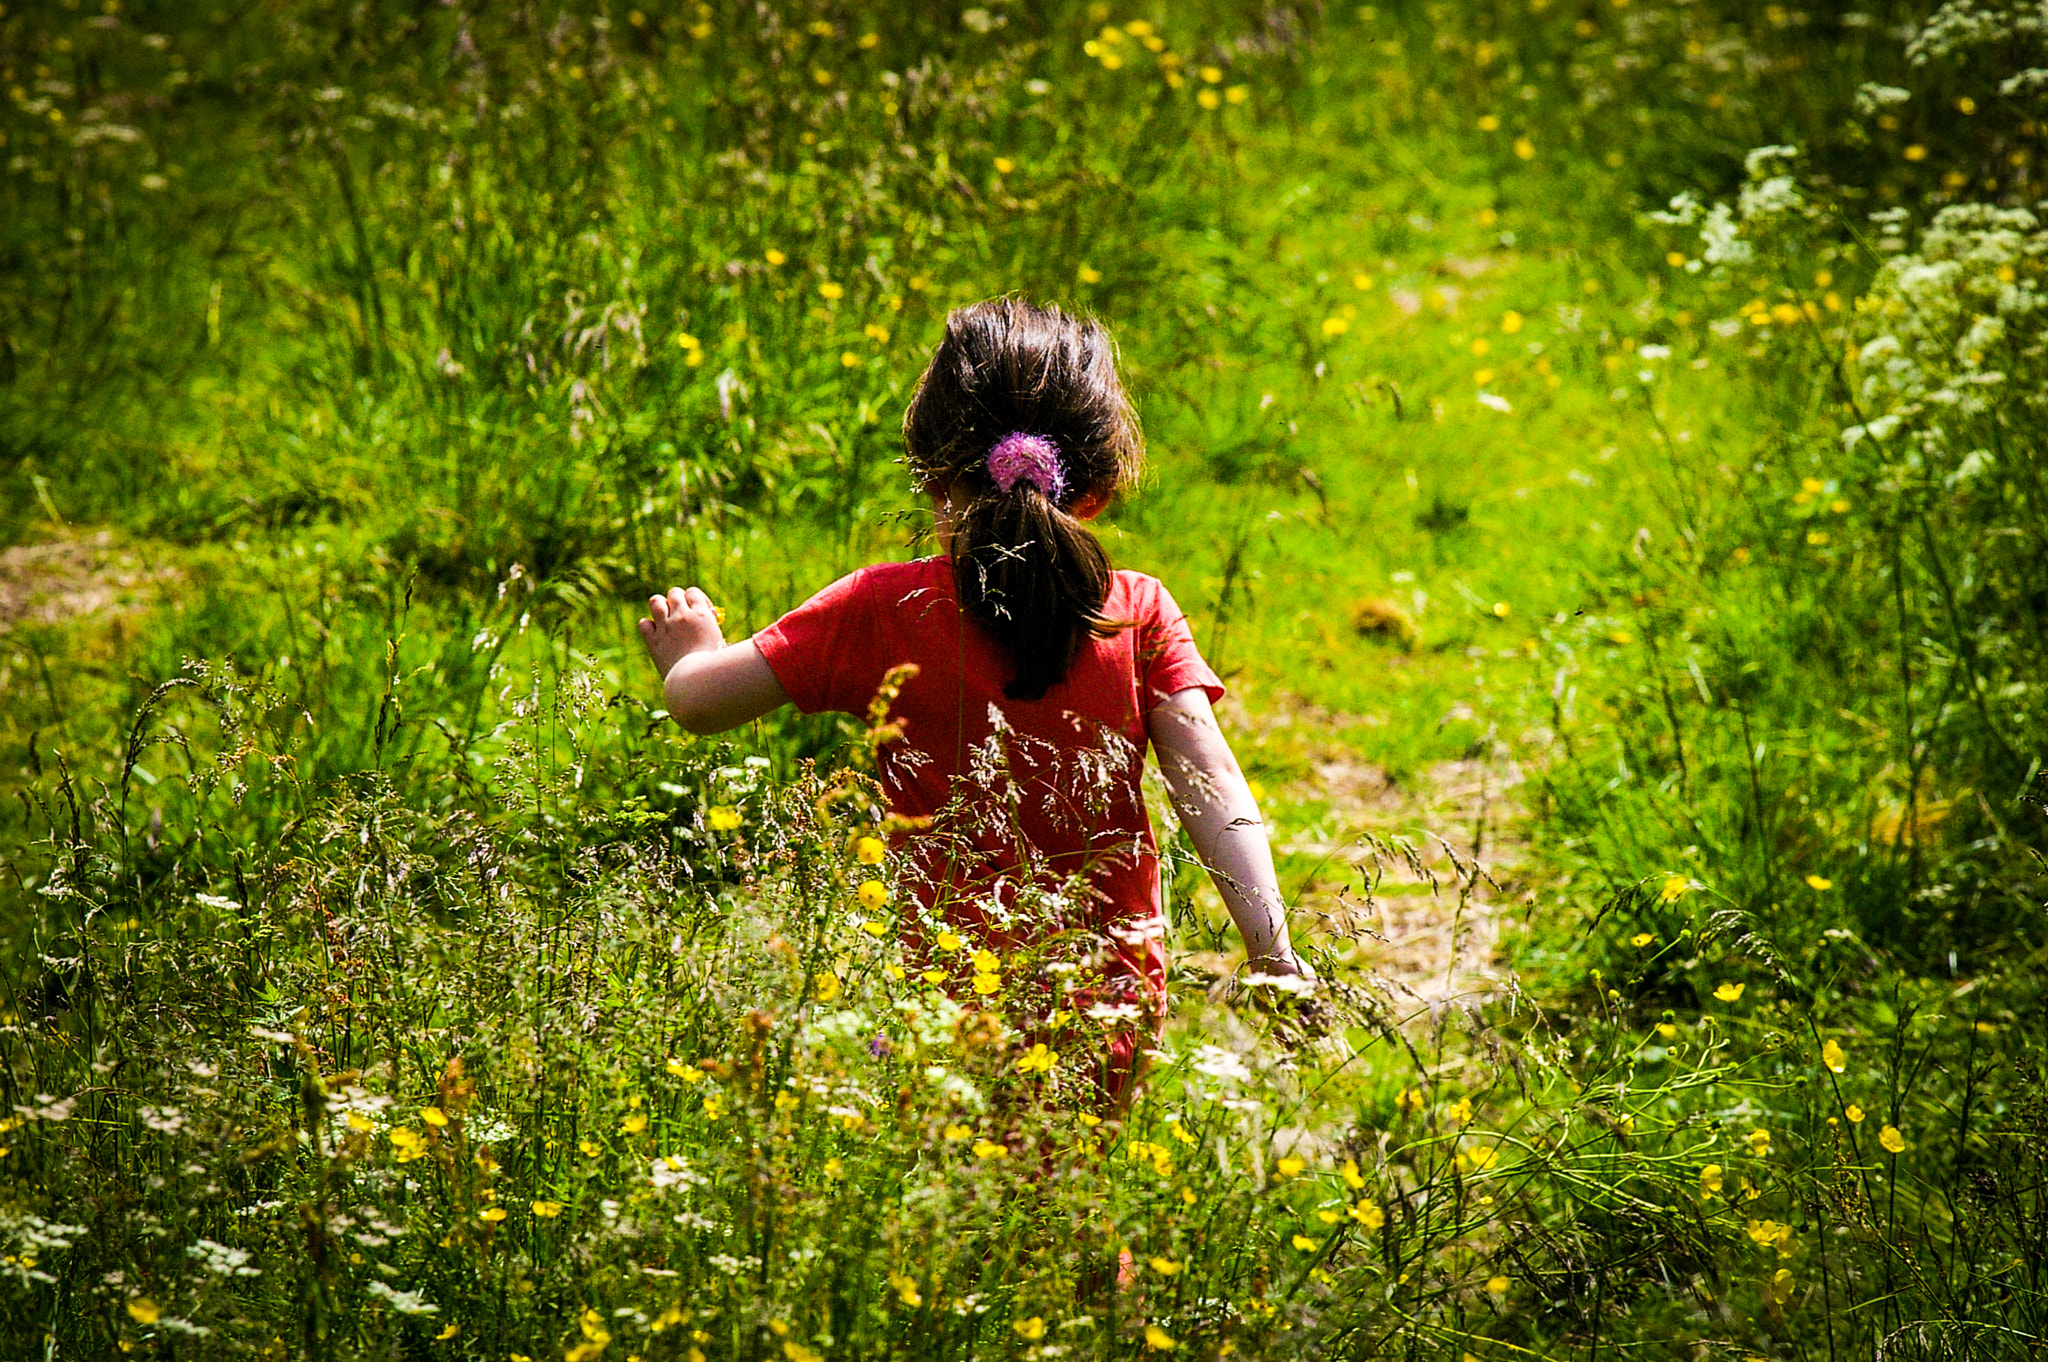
404 1302
1961 24
219 1260
1946 318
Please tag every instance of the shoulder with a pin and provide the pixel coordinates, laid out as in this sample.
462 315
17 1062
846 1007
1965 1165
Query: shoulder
1139 595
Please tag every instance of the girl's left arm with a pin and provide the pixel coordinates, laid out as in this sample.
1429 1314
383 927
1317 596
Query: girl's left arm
710 685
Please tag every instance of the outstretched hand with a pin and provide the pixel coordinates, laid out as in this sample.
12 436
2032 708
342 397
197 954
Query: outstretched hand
683 622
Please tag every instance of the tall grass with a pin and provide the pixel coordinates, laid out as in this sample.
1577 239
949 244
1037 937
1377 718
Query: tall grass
392 982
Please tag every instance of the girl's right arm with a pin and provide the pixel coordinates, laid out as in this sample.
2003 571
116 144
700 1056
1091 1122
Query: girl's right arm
1216 807
709 684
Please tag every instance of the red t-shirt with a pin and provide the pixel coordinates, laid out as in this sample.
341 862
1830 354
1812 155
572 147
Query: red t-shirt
1040 794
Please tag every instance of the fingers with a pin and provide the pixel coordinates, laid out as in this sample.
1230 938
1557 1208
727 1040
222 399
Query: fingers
677 602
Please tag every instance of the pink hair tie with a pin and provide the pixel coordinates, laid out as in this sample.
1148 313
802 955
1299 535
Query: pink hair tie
1018 457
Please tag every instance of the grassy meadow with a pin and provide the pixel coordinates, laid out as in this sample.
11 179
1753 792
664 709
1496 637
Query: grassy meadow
1629 409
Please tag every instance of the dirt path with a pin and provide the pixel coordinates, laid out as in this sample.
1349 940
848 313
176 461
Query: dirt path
1420 871
51 582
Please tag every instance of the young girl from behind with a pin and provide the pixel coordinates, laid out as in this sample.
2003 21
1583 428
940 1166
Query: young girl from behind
1042 675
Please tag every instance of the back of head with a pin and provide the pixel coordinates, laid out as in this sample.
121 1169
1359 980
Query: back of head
1021 416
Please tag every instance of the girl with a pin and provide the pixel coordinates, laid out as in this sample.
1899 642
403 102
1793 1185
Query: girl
1041 674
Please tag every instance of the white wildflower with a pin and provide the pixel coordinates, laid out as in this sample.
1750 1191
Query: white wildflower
1778 194
220 1260
404 1302
1217 1062
1723 239
1870 97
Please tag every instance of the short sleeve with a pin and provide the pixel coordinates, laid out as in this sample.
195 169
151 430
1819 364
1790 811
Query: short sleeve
1168 660
827 652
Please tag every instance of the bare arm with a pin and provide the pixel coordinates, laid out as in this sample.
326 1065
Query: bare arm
1216 807
710 685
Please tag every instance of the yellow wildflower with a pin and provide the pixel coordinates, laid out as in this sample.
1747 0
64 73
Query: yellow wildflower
1667 1031
1304 1243
589 1148
1335 326
1760 1143
144 1311
1510 323
547 1210
1208 99
1211 74
947 942
871 850
1157 1340
1238 94
434 1117
492 1215
1525 148
1832 1056
989 1149
634 1123
1004 165
834 1169
1675 888
876 929
1088 274
1369 1215
1819 881
723 819
1890 1138
1349 1172
775 257
957 1131
830 291
1710 1180
1361 282
1729 993
1459 1112
1641 939
1291 1167
1037 1060
1853 1112
1165 1267
985 984
873 895
1030 1330
825 985
689 1073
1498 1286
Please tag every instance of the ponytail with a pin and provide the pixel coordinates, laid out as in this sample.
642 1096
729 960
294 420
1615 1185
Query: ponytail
1019 417
1037 579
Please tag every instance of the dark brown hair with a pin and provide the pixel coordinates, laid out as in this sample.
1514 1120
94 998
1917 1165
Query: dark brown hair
1023 564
